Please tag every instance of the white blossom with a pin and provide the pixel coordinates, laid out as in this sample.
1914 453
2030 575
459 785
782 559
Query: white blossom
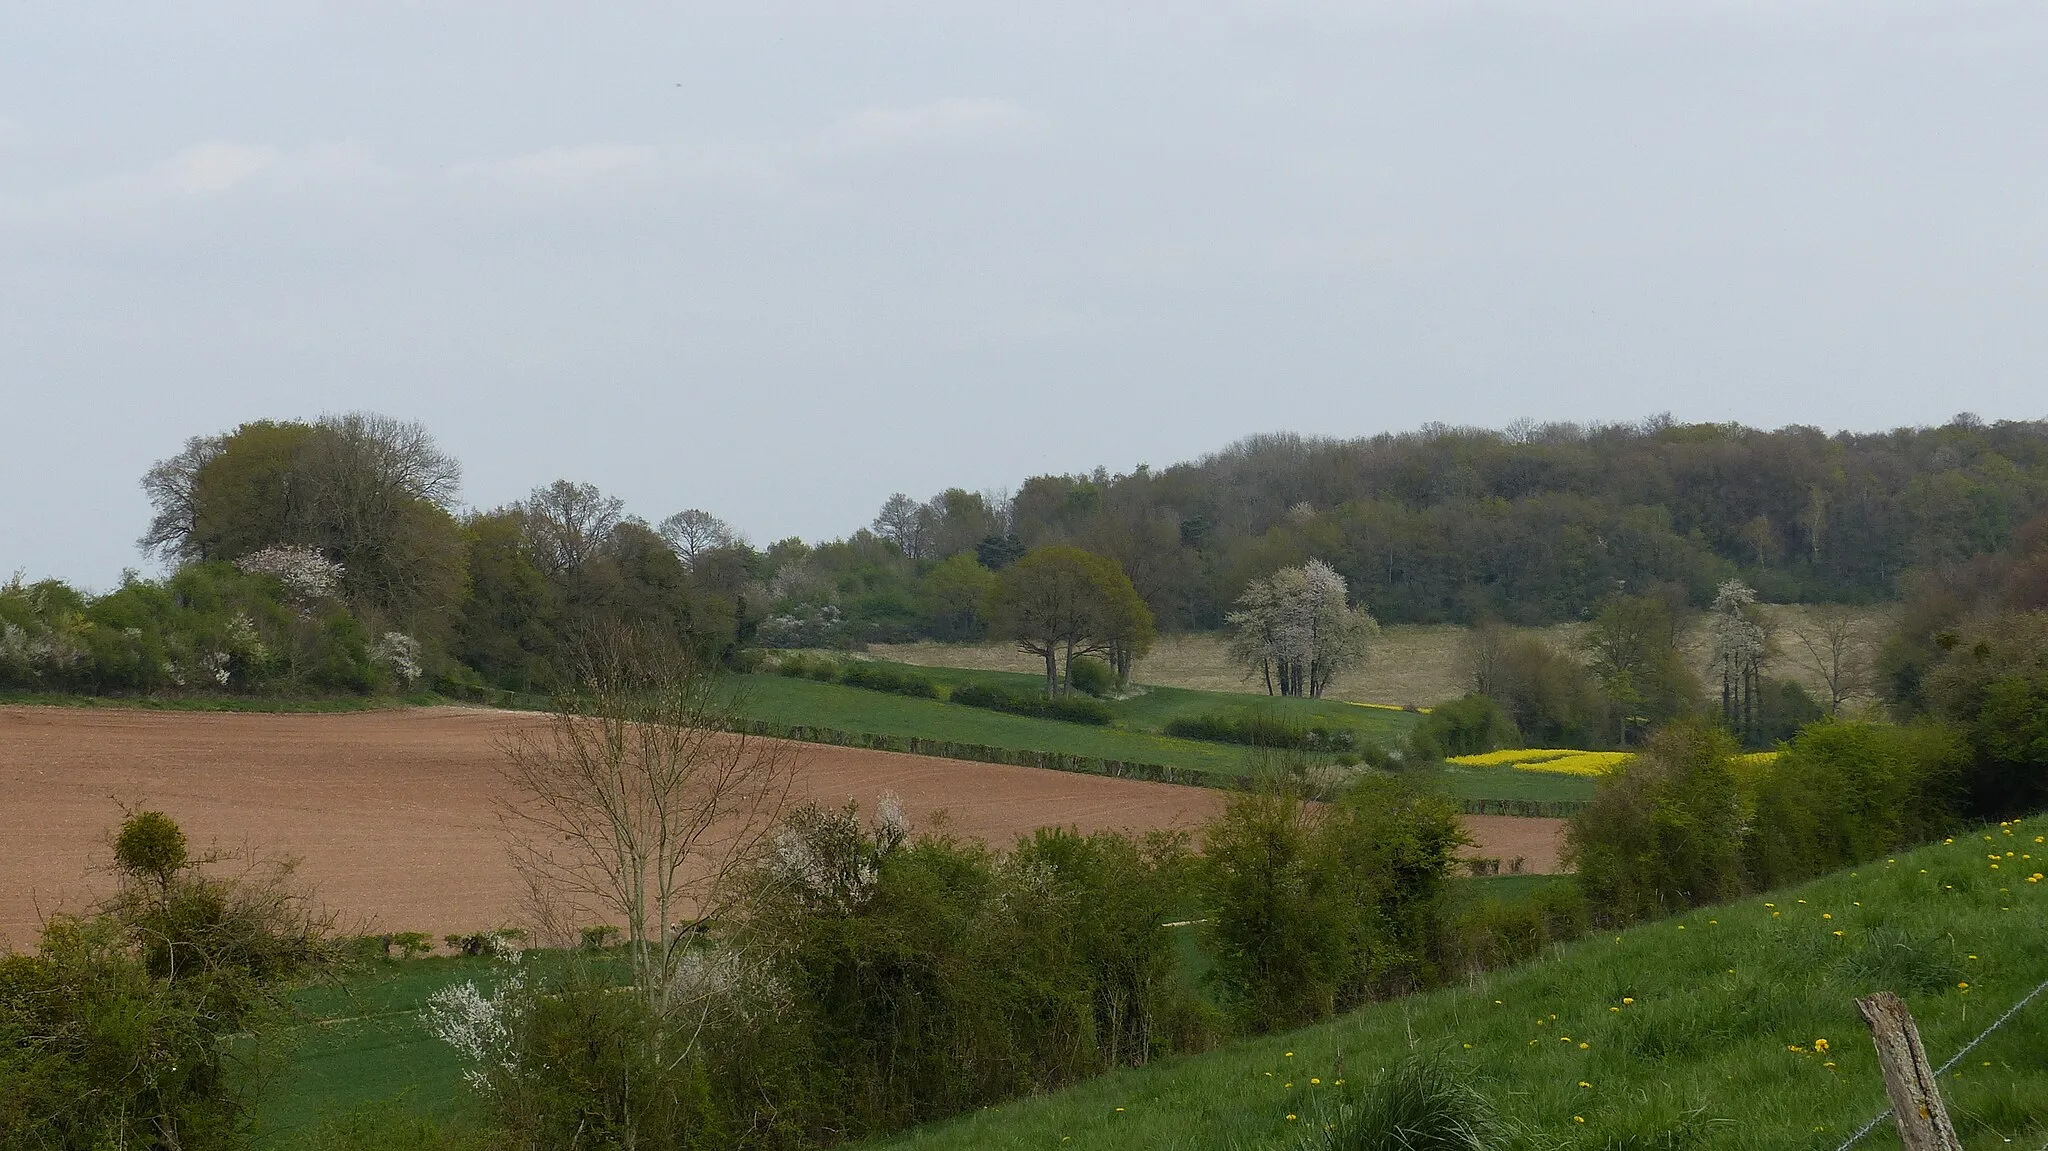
309 574
477 1026
401 653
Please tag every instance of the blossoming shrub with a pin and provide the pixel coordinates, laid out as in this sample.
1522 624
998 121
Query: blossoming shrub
208 627
1316 908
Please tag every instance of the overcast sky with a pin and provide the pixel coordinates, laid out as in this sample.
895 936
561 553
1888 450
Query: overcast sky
781 261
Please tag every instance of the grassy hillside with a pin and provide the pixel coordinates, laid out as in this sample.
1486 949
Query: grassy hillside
1136 735
1136 732
1706 1025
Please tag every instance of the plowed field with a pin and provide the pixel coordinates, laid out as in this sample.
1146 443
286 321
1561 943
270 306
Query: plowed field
392 813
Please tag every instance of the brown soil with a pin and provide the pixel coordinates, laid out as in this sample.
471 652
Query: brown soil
392 813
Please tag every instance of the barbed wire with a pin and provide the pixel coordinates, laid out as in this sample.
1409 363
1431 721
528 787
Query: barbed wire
2001 1021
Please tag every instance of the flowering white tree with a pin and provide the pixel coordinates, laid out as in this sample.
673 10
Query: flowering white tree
308 573
1297 630
1741 644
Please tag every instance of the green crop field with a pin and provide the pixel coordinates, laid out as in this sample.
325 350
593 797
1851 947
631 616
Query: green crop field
1135 735
364 1042
1704 1025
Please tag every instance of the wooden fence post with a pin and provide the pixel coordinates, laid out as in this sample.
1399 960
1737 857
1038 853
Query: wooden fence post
1908 1078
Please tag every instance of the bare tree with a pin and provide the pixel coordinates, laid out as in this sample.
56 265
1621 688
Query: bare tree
694 531
636 800
172 486
1837 651
906 523
568 523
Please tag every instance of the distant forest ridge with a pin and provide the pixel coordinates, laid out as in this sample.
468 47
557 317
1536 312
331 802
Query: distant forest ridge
1536 523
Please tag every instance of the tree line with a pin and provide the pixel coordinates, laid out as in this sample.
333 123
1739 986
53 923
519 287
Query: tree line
1526 525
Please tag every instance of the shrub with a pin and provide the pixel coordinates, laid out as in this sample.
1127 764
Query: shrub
803 665
1664 830
881 677
599 938
1087 674
116 1031
410 944
1072 709
1262 728
1471 725
1841 793
1493 933
1316 908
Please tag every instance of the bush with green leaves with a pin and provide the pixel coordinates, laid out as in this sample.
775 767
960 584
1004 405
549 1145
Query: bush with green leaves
1470 725
1492 933
208 627
1070 708
1257 727
932 976
1664 831
1314 908
881 677
1092 676
1843 792
114 1033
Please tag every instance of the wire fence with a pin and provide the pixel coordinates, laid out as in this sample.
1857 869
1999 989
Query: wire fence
1880 1117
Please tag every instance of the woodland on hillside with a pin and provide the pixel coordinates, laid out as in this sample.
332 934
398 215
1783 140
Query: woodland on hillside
334 553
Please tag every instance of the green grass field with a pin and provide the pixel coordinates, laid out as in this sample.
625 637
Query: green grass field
1136 733
1704 1024
364 1042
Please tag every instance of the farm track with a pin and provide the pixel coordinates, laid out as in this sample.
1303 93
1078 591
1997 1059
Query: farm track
392 813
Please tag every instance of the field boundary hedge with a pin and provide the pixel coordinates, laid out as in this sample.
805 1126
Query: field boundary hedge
1095 765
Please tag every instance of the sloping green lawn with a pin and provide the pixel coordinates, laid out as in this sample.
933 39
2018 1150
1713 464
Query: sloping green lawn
365 1042
1698 1031
1136 735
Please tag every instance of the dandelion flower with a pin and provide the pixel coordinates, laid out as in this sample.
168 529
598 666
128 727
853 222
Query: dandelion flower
1820 1045
1313 1082
1626 1000
1585 1046
1290 1116
1583 1083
